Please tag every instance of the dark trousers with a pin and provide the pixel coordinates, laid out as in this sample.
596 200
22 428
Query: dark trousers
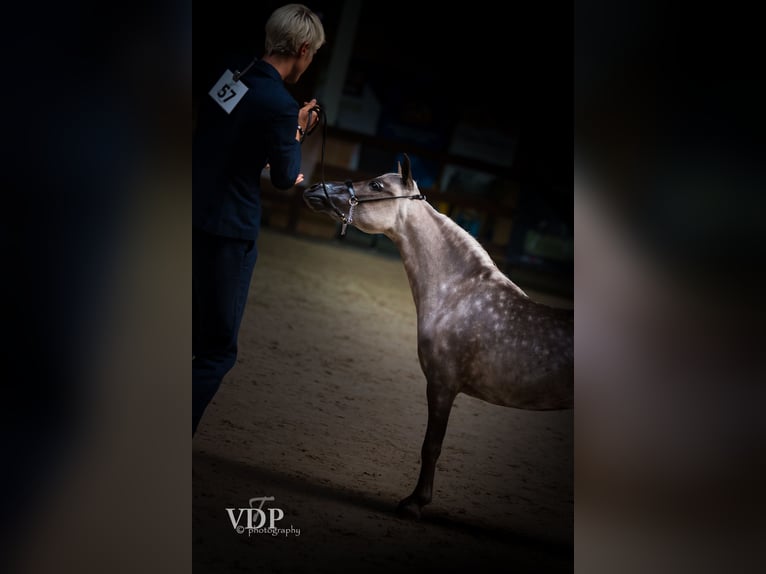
222 268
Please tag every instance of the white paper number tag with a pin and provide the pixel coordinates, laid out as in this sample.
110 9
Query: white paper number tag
227 93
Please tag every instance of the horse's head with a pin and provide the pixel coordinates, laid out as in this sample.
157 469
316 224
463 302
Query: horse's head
371 205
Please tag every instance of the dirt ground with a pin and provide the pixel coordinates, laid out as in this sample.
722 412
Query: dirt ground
326 410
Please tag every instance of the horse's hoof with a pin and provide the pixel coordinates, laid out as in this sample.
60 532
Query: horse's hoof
408 508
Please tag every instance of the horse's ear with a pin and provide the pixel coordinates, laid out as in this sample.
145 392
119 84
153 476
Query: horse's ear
406 172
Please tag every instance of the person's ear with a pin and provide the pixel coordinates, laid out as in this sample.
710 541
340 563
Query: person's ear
304 49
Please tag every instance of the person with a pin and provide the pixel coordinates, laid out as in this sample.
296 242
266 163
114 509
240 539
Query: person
245 125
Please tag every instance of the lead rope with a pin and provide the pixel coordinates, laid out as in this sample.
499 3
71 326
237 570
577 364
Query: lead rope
323 120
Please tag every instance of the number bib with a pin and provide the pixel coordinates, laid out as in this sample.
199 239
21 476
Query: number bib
227 93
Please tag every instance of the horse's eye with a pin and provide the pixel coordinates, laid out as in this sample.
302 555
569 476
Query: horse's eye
376 185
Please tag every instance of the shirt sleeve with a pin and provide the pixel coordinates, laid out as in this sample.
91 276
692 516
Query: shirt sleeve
284 151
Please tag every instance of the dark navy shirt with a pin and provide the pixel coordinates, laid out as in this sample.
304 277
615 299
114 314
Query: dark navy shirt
230 151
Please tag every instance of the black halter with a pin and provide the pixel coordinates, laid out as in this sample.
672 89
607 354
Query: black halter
353 200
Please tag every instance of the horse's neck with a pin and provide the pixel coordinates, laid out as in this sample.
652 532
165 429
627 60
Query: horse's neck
438 254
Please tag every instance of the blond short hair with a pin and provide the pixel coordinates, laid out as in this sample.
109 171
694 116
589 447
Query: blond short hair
289 27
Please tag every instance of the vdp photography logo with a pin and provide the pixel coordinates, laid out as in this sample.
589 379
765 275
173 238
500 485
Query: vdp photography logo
260 520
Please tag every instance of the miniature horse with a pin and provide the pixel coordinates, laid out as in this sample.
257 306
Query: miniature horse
478 333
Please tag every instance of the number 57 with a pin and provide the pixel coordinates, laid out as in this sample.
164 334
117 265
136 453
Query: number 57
223 90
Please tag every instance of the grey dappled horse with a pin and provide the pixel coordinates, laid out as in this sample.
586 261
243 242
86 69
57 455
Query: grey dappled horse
478 333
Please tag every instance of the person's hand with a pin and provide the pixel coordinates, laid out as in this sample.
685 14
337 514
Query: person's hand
303 116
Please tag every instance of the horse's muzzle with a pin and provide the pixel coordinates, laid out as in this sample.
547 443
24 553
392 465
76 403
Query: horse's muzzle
316 199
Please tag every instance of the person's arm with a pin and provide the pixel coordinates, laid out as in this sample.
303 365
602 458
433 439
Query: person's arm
284 151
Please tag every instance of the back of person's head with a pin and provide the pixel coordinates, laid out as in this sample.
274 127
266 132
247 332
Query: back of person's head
289 27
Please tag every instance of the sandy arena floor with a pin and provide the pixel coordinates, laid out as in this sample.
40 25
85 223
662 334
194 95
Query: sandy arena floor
326 411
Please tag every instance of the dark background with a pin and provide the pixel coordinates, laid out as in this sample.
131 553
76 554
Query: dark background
513 60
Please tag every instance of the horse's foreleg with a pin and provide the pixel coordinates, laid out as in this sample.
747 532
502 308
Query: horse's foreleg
439 406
